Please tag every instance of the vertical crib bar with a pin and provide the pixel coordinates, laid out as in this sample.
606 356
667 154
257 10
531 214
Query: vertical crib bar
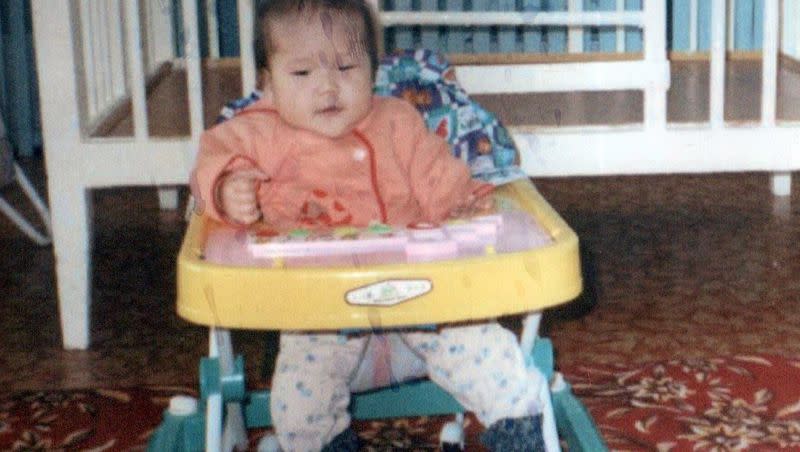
213 28
731 17
717 82
105 36
161 40
98 59
87 45
575 34
133 48
194 81
248 62
769 68
115 42
655 53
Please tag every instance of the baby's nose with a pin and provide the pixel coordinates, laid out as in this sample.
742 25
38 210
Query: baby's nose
330 80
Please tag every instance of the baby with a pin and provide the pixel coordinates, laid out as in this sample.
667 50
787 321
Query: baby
319 150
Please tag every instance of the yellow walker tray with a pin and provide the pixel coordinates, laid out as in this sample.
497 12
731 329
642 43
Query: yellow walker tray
281 297
238 279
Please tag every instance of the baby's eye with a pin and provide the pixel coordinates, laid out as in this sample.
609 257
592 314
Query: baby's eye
301 73
346 67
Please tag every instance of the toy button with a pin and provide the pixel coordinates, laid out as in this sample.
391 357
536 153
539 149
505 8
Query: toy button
380 228
299 233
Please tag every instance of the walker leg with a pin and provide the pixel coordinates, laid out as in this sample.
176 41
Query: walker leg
234 434
214 423
451 438
574 422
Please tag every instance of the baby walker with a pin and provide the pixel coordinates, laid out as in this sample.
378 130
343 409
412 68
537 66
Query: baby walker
519 258
354 278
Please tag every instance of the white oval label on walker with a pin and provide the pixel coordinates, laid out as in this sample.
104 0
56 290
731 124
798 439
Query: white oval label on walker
389 292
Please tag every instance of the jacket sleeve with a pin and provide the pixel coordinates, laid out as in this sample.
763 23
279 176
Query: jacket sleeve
223 149
440 181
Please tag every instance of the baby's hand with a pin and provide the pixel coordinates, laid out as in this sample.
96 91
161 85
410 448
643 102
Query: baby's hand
237 195
475 203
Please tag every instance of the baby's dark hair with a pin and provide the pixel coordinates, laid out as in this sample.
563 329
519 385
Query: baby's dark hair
275 9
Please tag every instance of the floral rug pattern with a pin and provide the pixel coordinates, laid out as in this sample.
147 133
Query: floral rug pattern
738 403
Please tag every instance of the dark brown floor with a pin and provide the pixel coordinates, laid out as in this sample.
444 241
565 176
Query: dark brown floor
681 265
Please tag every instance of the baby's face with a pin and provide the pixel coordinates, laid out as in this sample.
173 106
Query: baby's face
320 77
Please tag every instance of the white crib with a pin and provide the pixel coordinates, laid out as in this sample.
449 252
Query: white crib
95 58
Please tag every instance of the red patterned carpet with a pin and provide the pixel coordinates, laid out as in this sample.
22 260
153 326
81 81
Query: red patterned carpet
738 403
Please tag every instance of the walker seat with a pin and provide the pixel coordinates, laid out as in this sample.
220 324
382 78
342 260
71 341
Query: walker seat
520 258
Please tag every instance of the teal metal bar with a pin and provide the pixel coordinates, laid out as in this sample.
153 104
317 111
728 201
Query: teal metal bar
575 424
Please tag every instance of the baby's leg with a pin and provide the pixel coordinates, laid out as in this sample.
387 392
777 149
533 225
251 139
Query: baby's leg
310 388
483 368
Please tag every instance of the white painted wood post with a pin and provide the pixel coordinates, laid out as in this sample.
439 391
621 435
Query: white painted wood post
575 34
194 81
717 73
655 53
160 39
781 182
69 198
248 62
133 52
212 24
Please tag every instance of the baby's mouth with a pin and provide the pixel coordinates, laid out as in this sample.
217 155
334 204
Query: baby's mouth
330 110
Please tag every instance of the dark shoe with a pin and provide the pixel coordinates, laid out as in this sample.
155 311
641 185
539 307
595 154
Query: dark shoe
522 434
347 441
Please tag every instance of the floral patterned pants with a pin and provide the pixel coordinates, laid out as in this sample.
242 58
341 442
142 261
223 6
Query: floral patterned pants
481 366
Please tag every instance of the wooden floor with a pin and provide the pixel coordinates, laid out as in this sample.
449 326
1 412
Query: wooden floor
687 101
676 266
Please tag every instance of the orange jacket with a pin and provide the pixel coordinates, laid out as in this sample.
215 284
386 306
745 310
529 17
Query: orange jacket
390 169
